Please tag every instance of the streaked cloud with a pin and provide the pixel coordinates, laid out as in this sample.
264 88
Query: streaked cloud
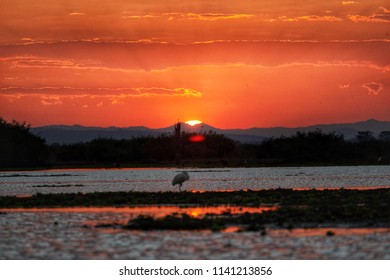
30 61
50 100
383 15
129 58
217 16
349 2
34 61
184 92
190 16
309 18
57 95
107 20
76 14
316 64
148 16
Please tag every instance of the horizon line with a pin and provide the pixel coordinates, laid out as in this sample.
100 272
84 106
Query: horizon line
217 128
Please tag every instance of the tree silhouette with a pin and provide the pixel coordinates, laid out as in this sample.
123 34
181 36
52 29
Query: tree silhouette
19 147
384 136
312 146
365 136
178 140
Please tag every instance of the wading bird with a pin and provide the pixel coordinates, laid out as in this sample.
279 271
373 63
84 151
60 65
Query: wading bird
180 178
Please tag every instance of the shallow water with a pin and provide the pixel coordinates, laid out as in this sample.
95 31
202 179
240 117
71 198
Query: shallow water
219 179
154 211
69 235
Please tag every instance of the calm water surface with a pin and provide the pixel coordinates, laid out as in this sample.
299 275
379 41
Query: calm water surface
70 233
219 179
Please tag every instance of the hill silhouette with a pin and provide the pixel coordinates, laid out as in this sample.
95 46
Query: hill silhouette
68 134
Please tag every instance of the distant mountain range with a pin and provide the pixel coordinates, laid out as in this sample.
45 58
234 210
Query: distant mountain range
67 134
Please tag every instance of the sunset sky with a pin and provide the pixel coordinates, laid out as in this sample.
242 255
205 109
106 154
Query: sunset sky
231 64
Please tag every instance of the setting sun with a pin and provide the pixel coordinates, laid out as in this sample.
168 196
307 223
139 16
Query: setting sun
193 122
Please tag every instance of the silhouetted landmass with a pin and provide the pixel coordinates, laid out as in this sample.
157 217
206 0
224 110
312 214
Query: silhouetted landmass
313 147
319 147
145 150
70 134
21 148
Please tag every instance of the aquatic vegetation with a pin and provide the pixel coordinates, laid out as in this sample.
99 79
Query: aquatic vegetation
311 208
330 233
175 222
321 199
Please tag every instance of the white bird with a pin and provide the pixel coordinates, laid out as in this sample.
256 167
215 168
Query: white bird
180 179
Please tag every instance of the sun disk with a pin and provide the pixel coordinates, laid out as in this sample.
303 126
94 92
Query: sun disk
193 122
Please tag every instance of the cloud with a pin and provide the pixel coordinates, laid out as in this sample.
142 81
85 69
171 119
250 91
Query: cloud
383 15
310 18
49 96
33 61
344 86
76 14
95 92
44 99
373 88
279 65
186 92
148 16
349 2
51 100
135 58
190 16
43 62
217 16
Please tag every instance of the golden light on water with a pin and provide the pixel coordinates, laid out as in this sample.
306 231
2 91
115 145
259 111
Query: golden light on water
194 214
197 138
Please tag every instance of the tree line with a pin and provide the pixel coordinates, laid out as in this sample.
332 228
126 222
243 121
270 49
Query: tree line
20 148
331 148
143 150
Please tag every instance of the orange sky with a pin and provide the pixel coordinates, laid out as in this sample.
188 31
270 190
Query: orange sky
231 64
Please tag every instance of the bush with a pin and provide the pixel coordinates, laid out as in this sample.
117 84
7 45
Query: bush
19 147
